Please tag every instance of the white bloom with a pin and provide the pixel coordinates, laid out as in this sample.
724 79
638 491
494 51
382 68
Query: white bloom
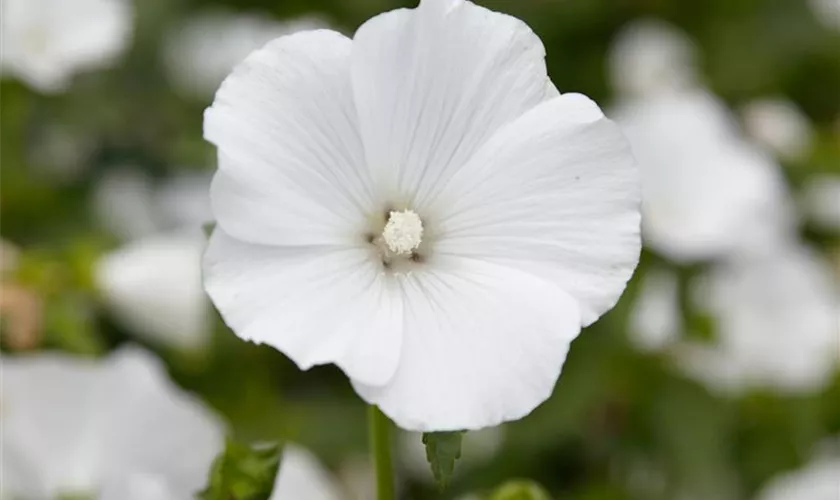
656 319
123 204
706 192
46 42
302 476
528 203
778 125
650 57
820 200
777 319
153 282
138 487
819 480
78 426
208 46
183 201
153 286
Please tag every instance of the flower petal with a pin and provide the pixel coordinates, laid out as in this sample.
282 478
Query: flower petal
38 441
555 193
153 287
302 476
434 83
290 156
317 305
152 426
116 417
483 344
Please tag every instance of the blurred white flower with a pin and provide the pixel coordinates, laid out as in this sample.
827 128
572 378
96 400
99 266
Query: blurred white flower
827 11
777 318
123 203
82 426
650 57
46 42
138 487
656 319
203 51
183 201
358 477
129 205
477 447
707 193
422 208
778 125
153 286
820 201
301 476
819 480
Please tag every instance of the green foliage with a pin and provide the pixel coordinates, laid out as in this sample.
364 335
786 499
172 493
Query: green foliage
243 472
520 490
443 449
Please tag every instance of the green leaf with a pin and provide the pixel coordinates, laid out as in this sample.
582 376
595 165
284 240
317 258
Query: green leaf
520 490
243 472
442 450
208 228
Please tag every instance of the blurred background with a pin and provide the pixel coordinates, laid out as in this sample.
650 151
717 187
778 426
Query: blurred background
716 376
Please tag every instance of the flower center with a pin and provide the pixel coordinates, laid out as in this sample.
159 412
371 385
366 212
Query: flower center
403 232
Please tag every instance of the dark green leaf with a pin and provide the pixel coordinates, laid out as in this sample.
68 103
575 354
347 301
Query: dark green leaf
243 472
208 228
442 450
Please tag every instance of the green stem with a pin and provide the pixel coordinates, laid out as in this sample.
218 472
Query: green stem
379 431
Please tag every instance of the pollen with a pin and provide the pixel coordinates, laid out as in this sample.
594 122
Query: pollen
403 232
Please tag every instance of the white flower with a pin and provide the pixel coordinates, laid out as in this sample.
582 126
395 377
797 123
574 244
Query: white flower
302 476
129 205
819 480
183 201
138 487
650 57
81 426
778 125
46 42
820 200
153 282
527 200
776 319
201 53
656 319
123 204
153 285
706 192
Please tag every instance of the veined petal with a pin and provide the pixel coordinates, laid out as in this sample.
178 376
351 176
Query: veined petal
483 344
290 157
555 193
434 83
317 305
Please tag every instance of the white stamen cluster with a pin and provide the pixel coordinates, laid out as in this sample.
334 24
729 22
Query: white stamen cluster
403 232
